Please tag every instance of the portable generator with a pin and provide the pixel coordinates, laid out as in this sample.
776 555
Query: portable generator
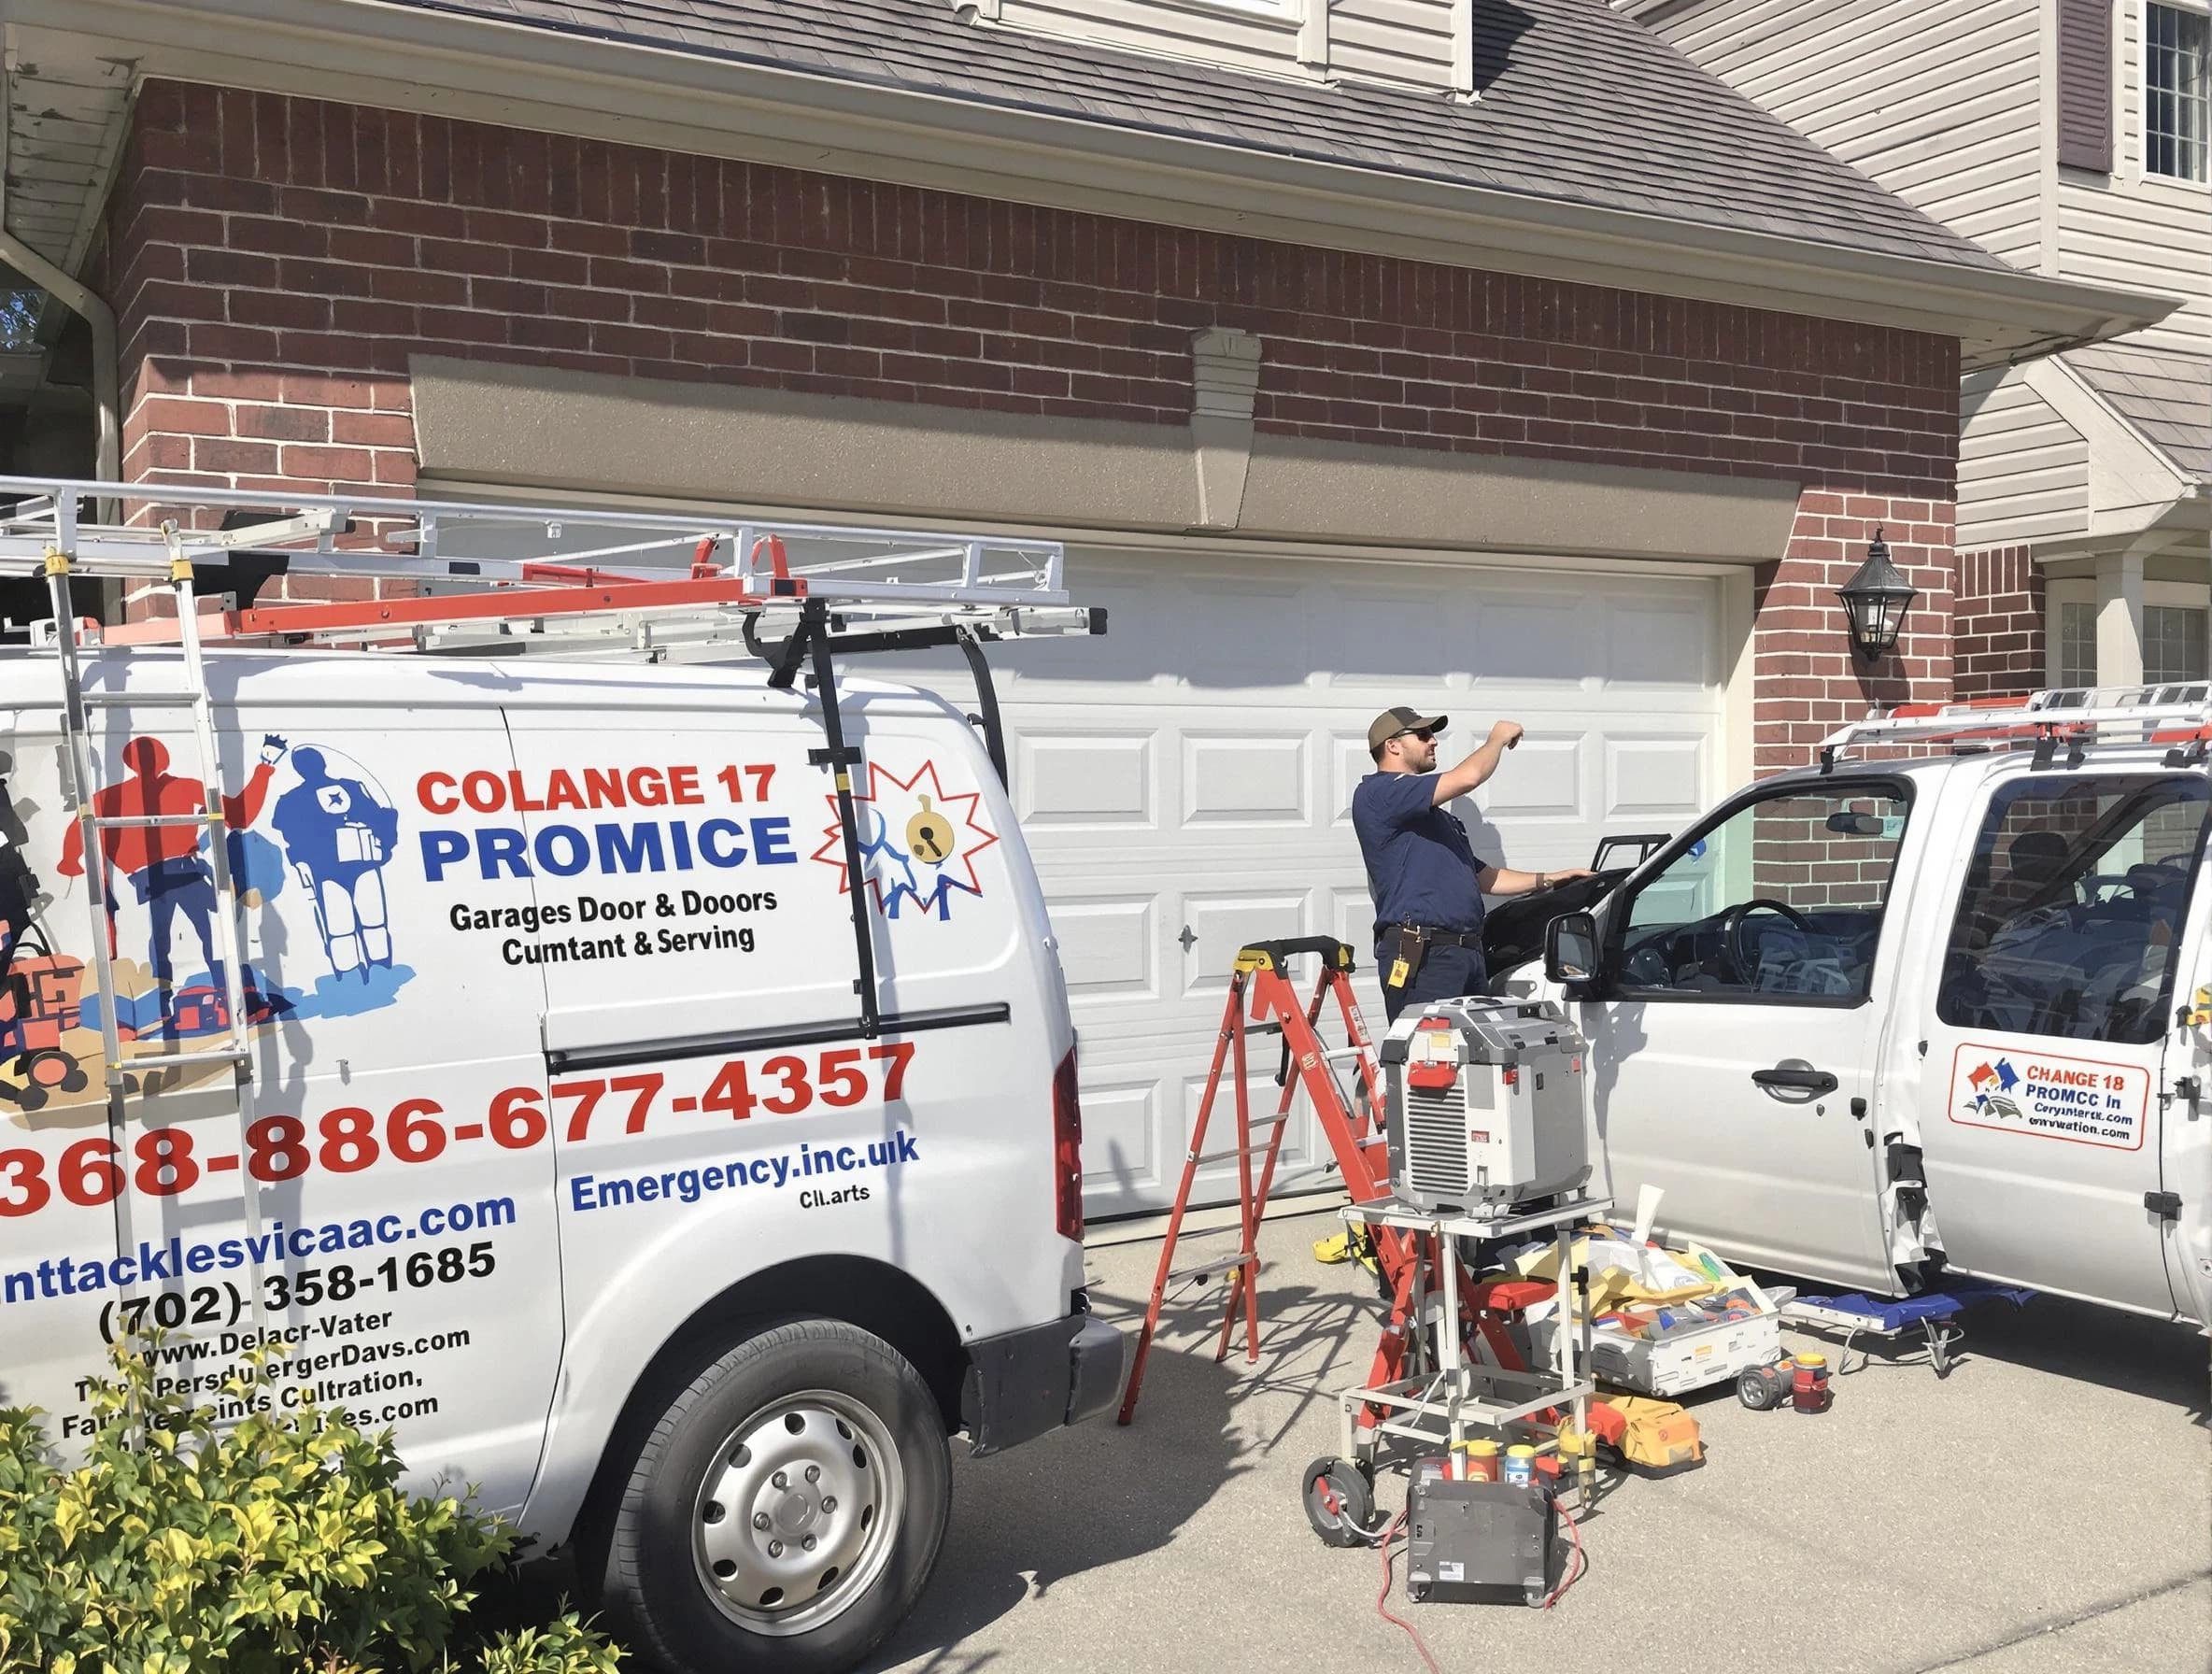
1486 1104
1479 1542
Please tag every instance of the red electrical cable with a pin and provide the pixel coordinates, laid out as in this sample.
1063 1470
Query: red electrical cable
1383 1598
1582 1563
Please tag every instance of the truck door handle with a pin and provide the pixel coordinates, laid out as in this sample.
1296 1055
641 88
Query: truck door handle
1795 1080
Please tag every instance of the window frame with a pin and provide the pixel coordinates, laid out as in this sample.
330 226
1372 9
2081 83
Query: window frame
2082 590
2007 787
1620 907
2143 170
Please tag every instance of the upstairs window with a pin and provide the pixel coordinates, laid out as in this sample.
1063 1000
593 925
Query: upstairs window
2177 98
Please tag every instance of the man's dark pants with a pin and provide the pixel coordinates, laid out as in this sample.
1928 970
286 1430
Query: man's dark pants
1446 974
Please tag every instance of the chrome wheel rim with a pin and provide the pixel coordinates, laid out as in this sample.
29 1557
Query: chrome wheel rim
798 1512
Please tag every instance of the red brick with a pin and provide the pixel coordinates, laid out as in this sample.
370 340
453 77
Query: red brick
283 424
327 463
183 417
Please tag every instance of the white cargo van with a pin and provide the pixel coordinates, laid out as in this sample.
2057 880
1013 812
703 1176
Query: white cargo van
1937 1004
659 1094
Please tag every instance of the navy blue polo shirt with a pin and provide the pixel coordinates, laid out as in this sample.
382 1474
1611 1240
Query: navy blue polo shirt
1421 867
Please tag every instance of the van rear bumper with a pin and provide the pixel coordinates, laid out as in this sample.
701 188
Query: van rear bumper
1029 1382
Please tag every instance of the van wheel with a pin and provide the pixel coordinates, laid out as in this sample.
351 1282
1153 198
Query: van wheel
786 1509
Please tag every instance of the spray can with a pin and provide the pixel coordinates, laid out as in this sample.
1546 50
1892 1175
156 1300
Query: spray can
1809 1383
1478 1461
1521 1465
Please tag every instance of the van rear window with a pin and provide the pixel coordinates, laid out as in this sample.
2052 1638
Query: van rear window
2071 907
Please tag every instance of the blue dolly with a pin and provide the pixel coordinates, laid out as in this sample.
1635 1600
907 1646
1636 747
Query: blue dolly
1936 1312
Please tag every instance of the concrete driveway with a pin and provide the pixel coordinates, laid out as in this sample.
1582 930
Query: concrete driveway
2046 1509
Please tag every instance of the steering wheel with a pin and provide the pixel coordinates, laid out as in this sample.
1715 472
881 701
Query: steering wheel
1744 962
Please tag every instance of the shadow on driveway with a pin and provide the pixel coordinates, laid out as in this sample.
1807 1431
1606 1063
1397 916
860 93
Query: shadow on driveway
1093 1496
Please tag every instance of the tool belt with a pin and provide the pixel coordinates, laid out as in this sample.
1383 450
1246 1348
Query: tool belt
1407 945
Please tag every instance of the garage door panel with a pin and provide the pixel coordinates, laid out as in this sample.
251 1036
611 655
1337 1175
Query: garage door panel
1657 643
1109 946
1217 1181
1239 635
1546 640
1121 1135
1078 777
1380 635
1223 921
1246 778
1543 778
1660 778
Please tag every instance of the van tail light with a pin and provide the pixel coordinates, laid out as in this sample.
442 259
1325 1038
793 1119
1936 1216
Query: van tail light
1067 1152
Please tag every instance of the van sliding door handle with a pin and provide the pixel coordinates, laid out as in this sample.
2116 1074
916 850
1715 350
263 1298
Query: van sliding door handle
1791 1079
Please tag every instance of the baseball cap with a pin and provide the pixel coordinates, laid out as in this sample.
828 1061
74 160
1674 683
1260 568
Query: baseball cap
1390 722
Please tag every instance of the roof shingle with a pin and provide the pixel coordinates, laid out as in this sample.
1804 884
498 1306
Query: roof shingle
1576 104
2166 394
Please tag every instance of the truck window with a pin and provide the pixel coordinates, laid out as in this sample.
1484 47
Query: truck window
1782 901
2072 903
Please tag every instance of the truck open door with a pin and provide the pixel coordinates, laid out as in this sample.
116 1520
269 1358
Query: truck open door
2050 1028
1736 1025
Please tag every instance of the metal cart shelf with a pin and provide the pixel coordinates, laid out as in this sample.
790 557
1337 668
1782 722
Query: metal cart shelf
1445 1395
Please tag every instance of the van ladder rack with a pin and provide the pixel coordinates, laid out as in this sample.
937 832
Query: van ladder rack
470 578
2176 715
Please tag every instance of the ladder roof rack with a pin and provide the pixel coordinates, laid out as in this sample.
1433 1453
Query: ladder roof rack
2179 714
460 576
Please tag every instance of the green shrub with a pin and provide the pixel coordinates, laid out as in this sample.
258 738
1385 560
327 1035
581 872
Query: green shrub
281 1545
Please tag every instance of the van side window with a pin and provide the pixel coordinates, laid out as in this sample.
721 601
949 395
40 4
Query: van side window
2072 905
1781 902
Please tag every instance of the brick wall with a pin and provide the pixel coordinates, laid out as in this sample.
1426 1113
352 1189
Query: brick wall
1808 681
275 261
1998 634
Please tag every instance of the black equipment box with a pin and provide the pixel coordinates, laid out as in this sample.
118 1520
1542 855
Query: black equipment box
1478 1542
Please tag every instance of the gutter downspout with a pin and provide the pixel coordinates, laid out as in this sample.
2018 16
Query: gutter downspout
80 300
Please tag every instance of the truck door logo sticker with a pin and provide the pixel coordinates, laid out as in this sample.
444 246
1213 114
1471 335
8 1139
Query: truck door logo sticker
918 842
2084 1101
1991 1083
333 828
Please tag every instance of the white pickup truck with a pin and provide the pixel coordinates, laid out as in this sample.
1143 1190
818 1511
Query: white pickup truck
1938 1002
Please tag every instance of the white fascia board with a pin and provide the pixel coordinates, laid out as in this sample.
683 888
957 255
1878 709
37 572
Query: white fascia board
513 74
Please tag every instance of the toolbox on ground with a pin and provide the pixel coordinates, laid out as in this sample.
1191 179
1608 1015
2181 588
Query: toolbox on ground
1662 1321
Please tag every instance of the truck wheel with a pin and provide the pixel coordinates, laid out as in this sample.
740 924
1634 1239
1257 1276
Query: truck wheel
786 1509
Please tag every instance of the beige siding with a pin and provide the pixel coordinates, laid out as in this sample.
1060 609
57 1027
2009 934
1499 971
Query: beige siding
1938 102
1250 35
1392 40
2023 471
2126 230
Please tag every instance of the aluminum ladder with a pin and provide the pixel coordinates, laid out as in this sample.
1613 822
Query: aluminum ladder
210 823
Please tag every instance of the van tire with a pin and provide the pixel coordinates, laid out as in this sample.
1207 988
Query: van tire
806 1395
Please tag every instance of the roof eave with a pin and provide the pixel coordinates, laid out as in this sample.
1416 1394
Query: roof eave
530 76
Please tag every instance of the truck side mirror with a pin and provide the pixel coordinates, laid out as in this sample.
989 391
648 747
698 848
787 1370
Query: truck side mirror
1570 948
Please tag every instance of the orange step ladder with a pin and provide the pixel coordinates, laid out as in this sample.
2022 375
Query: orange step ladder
1263 1000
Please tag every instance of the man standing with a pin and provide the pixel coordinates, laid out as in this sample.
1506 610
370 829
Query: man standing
1426 883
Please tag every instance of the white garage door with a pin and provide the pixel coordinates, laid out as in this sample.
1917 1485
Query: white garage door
1184 784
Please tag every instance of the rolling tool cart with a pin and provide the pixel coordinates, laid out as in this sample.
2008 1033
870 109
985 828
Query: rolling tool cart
1426 1392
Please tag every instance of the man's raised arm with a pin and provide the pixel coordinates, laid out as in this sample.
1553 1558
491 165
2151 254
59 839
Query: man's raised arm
1477 768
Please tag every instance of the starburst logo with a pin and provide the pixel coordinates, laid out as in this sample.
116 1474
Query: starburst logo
918 843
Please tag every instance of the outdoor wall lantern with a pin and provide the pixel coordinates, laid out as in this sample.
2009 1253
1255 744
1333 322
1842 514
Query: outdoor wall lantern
1875 601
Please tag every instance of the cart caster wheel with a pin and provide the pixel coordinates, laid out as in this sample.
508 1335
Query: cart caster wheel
1762 1389
1339 1501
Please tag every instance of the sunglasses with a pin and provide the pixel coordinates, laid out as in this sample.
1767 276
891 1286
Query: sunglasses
1426 734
